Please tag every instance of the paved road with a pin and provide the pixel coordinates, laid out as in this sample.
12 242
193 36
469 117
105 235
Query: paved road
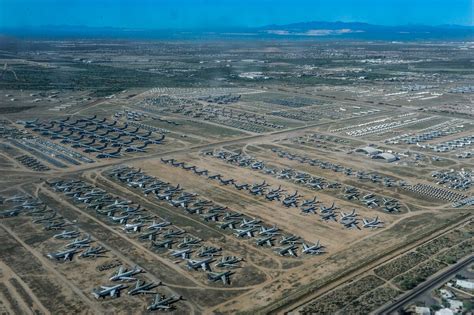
425 286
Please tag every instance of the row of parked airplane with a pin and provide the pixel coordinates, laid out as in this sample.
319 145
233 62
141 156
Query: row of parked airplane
40 213
306 206
371 200
135 220
93 135
350 193
209 211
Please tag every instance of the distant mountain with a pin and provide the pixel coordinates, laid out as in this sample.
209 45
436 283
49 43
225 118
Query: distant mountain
303 30
369 31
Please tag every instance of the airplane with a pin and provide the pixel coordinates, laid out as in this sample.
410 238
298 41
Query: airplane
290 249
143 288
269 231
224 276
158 225
241 186
64 255
124 274
245 232
394 208
229 216
265 240
104 291
308 209
315 249
93 252
329 216
121 219
229 262
324 209
353 214
195 264
173 233
54 226
163 303
150 235
308 202
209 251
16 199
77 243
373 224
104 155
250 223
184 253
164 244
186 242
10 213
134 227
210 217
290 239
350 223
137 148
291 200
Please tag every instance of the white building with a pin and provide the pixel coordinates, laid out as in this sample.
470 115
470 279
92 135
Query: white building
465 284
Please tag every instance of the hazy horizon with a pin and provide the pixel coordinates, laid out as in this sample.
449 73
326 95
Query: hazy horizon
202 14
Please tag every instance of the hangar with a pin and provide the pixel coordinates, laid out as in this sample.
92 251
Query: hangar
387 157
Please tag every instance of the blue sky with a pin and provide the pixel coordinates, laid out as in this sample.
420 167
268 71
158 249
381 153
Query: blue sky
159 14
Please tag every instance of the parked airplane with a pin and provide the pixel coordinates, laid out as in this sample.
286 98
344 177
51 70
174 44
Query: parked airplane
104 291
373 224
224 276
93 252
163 303
123 274
143 288
64 255
183 254
203 264
288 250
104 155
315 249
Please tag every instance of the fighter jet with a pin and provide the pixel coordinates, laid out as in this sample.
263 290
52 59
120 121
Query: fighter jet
183 254
203 264
104 291
64 255
224 276
373 224
123 274
162 303
288 250
143 288
315 249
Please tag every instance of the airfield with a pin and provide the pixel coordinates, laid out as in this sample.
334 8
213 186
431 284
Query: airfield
288 177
